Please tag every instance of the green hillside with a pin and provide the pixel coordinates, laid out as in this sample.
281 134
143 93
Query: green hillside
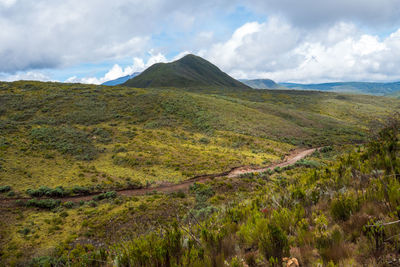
262 84
70 139
369 88
188 71
62 131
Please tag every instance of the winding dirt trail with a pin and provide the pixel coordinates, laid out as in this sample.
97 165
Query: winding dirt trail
295 156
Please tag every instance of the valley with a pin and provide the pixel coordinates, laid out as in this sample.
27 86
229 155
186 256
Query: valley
195 173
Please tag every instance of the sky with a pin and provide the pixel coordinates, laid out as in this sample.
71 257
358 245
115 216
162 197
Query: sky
305 41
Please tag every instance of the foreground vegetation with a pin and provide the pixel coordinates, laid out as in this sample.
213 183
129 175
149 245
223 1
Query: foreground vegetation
326 210
61 140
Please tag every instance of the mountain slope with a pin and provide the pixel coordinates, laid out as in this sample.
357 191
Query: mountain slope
261 84
121 80
63 139
350 87
188 71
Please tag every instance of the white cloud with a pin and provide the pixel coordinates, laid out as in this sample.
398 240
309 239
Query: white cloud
303 40
117 71
7 3
277 50
314 13
28 76
51 34
256 46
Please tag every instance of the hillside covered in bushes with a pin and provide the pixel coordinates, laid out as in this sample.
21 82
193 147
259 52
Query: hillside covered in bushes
343 211
67 151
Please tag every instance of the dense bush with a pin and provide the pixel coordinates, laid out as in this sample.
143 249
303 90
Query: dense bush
202 193
4 143
44 261
102 135
5 188
274 242
66 140
326 149
69 204
342 207
81 190
59 191
164 248
107 195
43 203
135 184
307 163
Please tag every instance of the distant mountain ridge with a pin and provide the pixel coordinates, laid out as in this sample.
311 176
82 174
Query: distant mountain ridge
350 87
121 80
189 71
261 83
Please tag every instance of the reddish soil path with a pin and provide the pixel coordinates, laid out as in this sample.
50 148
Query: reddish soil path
295 156
291 159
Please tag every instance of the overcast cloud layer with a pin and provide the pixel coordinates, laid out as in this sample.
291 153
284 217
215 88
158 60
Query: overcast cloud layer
301 41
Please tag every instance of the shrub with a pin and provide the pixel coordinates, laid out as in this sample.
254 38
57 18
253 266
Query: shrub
180 194
204 141
48 192
274 242
307 163
69 204
80 190
5 188
267 234
103 135
202 193
66 140
332 246
326 149
298 194
44 261
107 195
24 231
92 203
342 207
134 184
161 248
43 203
204 212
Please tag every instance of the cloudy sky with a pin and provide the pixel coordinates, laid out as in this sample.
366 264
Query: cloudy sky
306 41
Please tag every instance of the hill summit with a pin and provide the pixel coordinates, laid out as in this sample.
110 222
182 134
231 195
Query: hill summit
188 71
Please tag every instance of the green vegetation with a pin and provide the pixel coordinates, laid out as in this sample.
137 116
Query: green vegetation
350 87
5 188
61 140
48 192
188 71
106 195
336 213
65 140
262 84
43 203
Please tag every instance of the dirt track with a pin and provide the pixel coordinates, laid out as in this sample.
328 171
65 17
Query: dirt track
235 172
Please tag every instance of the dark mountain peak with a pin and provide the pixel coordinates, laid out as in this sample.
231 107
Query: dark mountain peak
192 58
189 71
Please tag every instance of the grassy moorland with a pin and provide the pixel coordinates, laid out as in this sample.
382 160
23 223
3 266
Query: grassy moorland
97 138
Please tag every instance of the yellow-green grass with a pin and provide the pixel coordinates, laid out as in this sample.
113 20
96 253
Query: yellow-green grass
28 233
151 156
163 135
